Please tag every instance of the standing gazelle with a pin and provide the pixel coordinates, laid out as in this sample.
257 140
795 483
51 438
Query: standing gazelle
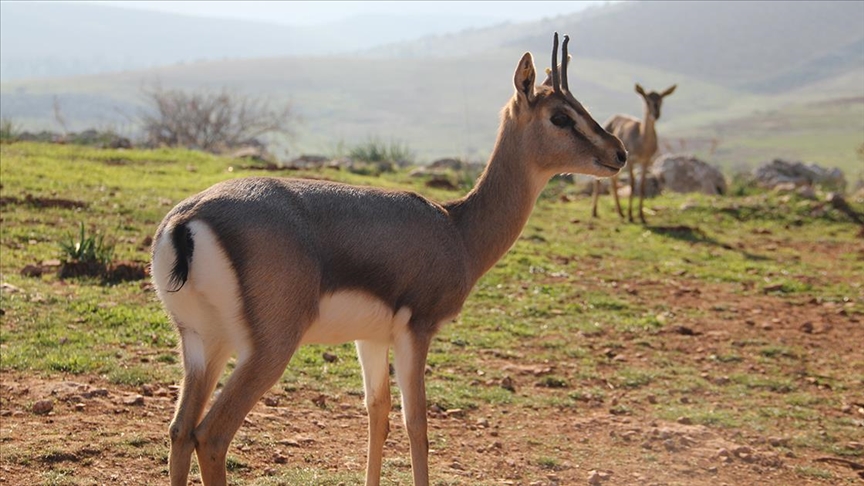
640 138
260 266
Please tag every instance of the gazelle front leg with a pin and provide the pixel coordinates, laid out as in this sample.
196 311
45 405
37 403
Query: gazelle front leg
376 386
409 351
642 192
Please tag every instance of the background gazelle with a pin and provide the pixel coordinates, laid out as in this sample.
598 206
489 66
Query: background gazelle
640 138
260 266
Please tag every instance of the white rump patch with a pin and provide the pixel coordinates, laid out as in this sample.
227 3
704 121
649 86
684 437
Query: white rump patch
208 308
355 316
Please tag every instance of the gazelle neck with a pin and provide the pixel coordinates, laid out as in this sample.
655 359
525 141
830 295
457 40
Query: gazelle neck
648 120
491 216
646 131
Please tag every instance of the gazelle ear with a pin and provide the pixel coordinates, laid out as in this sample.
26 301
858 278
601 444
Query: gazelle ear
524 77
669 91
639 89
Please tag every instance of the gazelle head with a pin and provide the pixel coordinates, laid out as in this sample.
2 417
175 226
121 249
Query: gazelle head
653 99
555 128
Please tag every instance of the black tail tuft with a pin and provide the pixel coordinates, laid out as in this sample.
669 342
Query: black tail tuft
181 238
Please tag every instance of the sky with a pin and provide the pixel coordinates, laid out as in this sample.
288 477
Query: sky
314 13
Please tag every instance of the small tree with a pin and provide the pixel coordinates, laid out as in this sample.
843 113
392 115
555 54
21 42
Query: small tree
211 120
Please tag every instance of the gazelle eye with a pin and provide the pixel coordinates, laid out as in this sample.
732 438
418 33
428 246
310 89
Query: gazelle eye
561 120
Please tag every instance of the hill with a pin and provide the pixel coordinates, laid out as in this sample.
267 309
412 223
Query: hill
52 39
734 62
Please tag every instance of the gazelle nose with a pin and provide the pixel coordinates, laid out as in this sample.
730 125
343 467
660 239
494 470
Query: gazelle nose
622 157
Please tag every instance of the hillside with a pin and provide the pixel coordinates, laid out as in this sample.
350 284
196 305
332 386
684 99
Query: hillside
52 39
764 46
441 94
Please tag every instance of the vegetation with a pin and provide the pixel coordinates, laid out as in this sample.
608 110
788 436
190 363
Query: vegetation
86 248
697 314
211 120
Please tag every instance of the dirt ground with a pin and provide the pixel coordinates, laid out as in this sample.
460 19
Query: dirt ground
99 433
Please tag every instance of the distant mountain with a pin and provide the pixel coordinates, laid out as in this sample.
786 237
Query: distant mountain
738 66
40 39
759 46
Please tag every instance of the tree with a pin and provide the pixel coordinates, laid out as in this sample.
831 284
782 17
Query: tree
212 120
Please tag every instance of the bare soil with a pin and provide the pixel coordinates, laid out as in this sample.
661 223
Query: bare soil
95 432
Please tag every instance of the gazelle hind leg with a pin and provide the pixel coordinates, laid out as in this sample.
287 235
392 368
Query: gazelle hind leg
253 376
410 352
376 385
203 363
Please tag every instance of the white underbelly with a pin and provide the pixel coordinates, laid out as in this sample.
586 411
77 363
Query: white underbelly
353 315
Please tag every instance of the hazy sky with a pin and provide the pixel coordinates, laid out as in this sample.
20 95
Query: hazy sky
311 13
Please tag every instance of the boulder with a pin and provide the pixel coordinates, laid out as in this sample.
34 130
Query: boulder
780 172
686 173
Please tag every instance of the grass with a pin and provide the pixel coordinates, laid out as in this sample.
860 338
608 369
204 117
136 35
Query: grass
594 300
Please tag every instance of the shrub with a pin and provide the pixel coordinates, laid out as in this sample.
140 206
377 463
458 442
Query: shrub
212 120
85 255
8 131
376 151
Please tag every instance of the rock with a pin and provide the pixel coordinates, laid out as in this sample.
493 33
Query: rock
507 384
320 401
34 271
43 407
329 357
271 401
133 400
778 172
448 163
685 421
685 173
598 477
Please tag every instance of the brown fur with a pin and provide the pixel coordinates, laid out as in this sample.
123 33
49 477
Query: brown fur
290 242
640 138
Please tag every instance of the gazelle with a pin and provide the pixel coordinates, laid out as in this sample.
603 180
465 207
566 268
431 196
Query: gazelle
640 138
259 266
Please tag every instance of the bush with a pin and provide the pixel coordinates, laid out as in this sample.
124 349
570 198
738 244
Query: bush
376 151
85 255
212 121
8 131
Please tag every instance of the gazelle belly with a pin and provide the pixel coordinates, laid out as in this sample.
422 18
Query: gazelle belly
353 315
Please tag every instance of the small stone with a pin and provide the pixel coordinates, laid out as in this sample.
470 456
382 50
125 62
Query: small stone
483 422
651 399
507 384
79 407
147 390
594 477
685 421
32 271
329 357
807 328
133 400
271 401
43 407
455 412
778 441
320 401
279 458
